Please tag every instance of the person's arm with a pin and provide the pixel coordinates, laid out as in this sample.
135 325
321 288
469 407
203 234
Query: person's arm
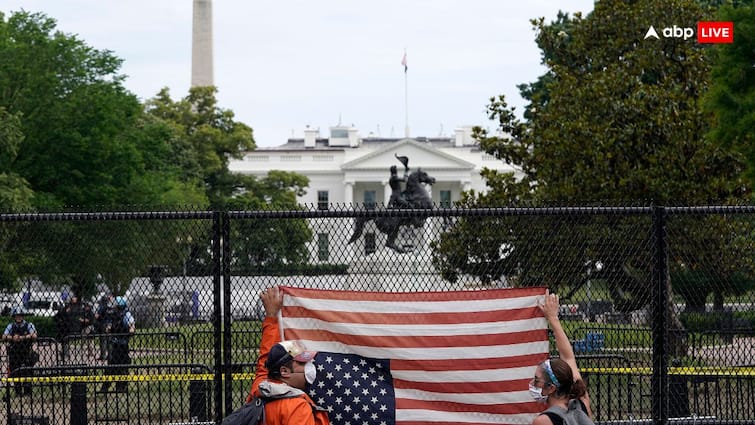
272 300
563 345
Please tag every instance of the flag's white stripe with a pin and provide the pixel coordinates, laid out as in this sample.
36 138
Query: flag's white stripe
483 328
461 417
413 307
467 398
484 375
430 353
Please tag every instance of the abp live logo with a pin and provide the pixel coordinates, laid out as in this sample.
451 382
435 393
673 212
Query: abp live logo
715 32
707 32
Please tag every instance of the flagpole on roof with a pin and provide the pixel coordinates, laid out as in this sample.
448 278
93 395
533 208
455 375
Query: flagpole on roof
406 96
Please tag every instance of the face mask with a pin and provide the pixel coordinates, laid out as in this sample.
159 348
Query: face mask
537 393
310 372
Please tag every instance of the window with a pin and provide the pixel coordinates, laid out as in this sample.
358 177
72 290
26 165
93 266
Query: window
369 199
323 247
322 200
339 133
445 199
369 243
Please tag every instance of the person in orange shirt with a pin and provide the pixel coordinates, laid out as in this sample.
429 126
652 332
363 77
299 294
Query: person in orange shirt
283 370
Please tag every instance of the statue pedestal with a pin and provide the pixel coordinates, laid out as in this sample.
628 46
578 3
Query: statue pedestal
155 317
389 271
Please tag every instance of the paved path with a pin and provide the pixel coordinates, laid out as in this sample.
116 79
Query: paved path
741 352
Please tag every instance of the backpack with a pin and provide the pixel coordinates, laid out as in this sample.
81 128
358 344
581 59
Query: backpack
573 415
251 413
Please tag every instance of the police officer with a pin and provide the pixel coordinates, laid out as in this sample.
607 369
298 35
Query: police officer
121 326
20 334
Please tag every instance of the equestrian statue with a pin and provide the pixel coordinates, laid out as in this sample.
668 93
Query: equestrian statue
414 196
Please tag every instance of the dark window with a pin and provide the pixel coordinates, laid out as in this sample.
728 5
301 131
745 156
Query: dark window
323 247
369 199
322 200
445 199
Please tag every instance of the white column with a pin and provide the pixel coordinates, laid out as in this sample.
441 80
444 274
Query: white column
348 194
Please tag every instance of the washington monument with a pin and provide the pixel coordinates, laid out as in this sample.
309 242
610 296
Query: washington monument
201 44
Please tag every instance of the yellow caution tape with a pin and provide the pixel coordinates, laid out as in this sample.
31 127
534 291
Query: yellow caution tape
180 377
186 377
688 370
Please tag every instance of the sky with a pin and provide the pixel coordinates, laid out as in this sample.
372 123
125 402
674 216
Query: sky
283 65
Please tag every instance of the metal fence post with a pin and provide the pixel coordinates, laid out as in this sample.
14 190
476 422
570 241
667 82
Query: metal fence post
197 398
659 311
78 401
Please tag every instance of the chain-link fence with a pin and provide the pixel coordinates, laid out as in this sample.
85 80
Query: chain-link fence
154 317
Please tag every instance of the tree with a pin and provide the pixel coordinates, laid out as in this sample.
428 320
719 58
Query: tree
731 97
615 119
208 137
15 193
269 246
84 142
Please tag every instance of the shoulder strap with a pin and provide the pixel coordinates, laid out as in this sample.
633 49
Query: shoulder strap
573 415
251 413
554 417
558 411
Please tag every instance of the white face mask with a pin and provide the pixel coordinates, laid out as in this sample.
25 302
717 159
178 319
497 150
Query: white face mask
537 393
310 372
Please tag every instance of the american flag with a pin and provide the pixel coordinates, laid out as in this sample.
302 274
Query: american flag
421 358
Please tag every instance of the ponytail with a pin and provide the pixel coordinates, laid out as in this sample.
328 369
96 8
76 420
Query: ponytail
567 386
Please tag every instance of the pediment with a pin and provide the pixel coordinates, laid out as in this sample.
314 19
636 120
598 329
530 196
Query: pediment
421 155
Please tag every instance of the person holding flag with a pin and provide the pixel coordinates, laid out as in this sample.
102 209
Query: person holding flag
283 370
557 382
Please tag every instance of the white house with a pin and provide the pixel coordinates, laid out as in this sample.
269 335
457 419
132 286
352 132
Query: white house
345 170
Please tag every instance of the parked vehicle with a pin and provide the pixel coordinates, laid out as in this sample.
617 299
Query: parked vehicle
44 304
7 301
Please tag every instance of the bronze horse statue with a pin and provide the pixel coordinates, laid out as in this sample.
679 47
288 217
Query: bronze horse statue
415 197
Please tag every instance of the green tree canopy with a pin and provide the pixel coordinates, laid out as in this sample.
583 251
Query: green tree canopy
208 137
732 92
75 137
616 119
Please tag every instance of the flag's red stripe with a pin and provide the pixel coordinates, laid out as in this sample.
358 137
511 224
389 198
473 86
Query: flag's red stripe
489 294
387 318
415 341
448 406
464 387
470 364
